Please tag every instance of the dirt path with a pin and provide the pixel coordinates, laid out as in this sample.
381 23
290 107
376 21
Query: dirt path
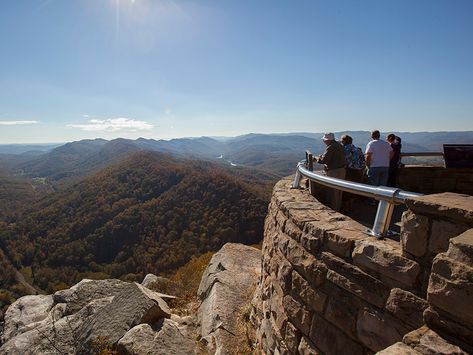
21 279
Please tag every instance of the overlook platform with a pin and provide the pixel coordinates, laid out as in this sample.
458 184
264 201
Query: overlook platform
328 287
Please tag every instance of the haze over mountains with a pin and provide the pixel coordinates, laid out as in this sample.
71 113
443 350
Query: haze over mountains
275 153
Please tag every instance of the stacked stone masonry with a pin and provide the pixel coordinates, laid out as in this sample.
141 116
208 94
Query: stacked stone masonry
435 179
328 288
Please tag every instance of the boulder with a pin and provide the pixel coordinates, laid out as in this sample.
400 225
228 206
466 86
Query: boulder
73 325
165 337
134 305
162 285
225 293
25 311
87 290
53 336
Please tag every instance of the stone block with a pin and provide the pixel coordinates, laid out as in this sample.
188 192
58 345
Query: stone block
278 313
307 348
442 232
330 340
342 311
414 233
461 248
426 341
341 241
297 314
407 307
447 205
379 257
281 220
292 338
292 230
275 262
377 331
283 242
355 281
313 270
398 349
278 326
441 323
311 297
284 275
311 243
451 288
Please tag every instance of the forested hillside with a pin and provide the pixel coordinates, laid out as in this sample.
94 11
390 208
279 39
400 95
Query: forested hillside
149 213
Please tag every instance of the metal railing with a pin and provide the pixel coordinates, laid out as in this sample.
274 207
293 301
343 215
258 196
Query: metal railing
422 154
388 197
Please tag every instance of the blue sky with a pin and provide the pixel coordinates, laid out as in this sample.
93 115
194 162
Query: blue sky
173 68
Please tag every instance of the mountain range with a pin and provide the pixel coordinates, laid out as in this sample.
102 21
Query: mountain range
274 153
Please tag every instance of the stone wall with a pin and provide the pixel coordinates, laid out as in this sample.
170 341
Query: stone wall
326 287
435 179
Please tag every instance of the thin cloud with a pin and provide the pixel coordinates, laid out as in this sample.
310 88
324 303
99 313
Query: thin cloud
13 123
114 124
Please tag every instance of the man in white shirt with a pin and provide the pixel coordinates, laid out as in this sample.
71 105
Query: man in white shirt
378 154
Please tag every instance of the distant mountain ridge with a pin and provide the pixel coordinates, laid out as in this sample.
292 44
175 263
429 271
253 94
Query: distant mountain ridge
275 153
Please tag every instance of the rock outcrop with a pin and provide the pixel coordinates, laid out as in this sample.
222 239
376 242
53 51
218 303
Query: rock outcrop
170 336
94 312
225 293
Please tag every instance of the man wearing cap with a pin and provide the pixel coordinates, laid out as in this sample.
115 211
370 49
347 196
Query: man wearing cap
334 160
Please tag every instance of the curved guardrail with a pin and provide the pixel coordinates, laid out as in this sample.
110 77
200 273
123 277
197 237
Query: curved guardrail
421 154
388 197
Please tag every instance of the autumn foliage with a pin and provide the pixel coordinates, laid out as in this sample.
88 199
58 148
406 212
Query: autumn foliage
150 213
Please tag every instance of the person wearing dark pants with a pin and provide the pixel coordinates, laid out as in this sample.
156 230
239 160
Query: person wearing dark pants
396 146
378 155
355 165
334 160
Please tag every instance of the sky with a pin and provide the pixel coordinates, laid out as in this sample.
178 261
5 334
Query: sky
162 69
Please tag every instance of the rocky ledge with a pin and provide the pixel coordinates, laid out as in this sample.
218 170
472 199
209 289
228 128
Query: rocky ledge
225 293
96 316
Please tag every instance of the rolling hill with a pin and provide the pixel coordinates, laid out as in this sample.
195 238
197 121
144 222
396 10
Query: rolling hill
148 213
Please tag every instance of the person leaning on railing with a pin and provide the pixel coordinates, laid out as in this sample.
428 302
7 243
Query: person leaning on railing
355 166
395 143
334 160
378 155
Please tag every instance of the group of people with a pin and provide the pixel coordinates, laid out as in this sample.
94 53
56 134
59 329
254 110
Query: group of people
344 160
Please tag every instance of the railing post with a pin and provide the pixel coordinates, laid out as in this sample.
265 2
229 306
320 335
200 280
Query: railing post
297 177
310 167
382 220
